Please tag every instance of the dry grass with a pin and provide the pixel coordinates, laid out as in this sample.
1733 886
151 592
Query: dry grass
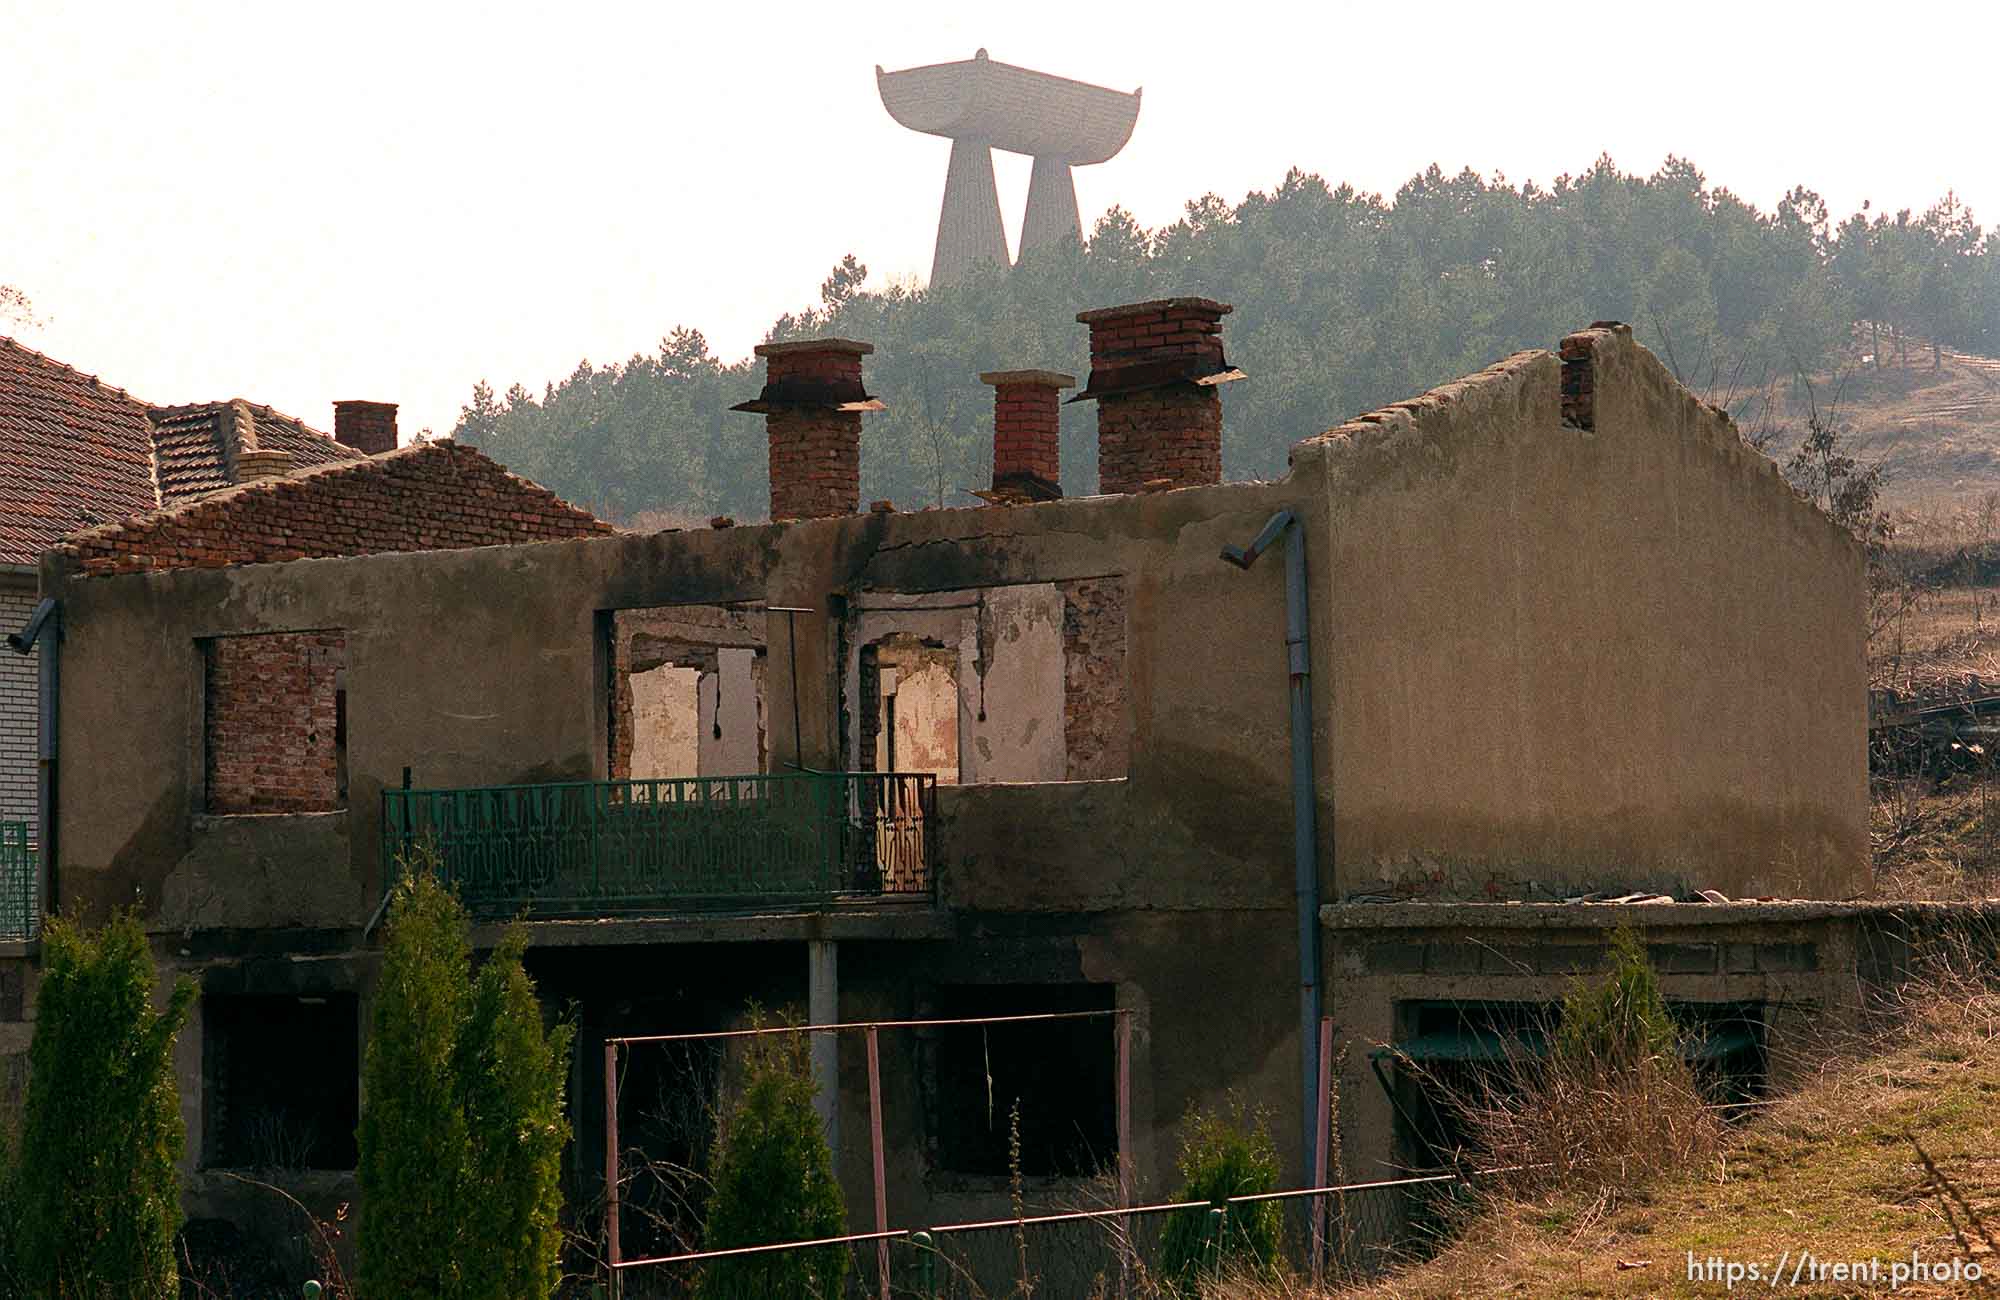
1934 430
1936 841
1833 1168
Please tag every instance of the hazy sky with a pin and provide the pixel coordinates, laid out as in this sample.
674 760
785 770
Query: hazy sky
300 203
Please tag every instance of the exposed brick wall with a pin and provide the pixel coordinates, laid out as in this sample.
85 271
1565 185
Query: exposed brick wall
269 718
1163 433
1094 731
1579 382
815 462
1153 422
431 496
19 709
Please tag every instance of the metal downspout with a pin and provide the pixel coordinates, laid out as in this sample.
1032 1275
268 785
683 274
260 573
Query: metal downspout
1305 833
44 627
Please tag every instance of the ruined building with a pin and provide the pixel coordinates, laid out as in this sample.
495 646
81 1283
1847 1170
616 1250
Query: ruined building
1225 755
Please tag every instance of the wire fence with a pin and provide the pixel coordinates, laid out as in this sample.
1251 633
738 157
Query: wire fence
1333 1233
20 883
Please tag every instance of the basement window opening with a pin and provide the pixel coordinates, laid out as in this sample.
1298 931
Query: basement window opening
281 1081
1061 1073
1449 1054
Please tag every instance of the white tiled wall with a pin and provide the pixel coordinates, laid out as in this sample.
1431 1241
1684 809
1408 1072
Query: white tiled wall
17 706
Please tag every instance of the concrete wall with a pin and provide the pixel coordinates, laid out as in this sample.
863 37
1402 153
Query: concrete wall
1563 656
485 667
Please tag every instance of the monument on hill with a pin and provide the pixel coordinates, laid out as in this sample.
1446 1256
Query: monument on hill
980 105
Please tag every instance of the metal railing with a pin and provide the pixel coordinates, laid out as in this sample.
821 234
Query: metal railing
20 884
1323 1235
602 848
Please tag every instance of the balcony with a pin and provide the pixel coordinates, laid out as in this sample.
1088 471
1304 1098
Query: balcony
20 886
634 848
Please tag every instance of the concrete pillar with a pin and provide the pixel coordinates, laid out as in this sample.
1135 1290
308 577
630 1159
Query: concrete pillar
1052 218
823 1008
969 231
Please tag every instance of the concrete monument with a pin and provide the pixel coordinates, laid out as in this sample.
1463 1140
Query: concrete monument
980 104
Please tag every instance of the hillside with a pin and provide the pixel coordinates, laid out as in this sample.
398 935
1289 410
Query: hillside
1931 420
1831 1169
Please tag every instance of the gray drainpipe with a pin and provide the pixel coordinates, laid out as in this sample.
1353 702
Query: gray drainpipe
1305 834
44 626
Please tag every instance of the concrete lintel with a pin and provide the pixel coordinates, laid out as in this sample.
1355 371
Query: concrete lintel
1579 916
884 921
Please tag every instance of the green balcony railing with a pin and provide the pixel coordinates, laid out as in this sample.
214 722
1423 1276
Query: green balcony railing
20 884
605 848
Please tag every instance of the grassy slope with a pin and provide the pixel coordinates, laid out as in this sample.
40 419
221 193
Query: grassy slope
1829 1170
1934 431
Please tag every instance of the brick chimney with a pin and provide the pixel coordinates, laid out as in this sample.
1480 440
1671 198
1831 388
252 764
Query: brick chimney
1154 368
812 404
1027 434
368 427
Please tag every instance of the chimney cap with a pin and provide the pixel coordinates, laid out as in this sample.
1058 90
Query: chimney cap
1041 378
1204 306
853 347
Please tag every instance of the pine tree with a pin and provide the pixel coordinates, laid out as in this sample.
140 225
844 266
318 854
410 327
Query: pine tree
96 1193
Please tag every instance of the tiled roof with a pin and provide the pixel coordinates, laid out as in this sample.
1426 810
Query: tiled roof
76 452
194 446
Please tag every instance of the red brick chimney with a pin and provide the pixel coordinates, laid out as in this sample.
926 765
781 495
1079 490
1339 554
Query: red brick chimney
368 427
812 404
1027 434
1154 368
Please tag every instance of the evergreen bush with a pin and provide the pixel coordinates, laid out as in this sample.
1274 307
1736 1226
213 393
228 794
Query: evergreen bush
511 1072
462 1122
1223 1155
96 1195
1613 1023
774 1181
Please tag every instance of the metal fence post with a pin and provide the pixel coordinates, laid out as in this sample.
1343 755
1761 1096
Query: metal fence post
926 1248
875 1143
1321 1106
1218 1224
611 1157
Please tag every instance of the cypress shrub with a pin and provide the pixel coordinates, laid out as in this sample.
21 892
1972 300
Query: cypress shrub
95 1195
774 1181
463 1121
512 1073
414 1149
1223 1155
